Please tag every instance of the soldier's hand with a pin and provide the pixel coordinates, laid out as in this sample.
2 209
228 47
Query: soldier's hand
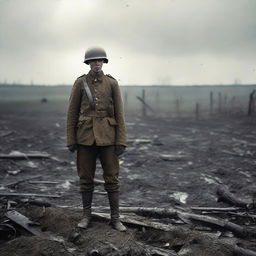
120 150
72 148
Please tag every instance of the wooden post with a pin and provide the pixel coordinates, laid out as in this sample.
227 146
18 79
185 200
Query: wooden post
219 102
232 104
157 100
251 103
177 107
197 111
211 103
126 100
144 111
225 103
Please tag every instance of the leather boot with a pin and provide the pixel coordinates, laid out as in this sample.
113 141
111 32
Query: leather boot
114 208
87 203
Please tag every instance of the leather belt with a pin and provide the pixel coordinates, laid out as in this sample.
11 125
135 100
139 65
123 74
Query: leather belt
94 113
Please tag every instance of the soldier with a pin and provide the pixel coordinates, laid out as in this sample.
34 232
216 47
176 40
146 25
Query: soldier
96 129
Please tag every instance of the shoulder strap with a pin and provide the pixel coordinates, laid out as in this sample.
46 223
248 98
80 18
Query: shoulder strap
88 93
110 76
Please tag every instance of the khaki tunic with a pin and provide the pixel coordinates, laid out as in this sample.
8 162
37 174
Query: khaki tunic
105 125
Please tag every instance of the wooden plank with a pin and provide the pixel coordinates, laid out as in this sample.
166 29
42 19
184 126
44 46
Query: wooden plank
215 209
43 182
13 184
29 195
145 104
24 222
225 196
24 156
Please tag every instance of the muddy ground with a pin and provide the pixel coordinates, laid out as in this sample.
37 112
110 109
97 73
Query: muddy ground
169 162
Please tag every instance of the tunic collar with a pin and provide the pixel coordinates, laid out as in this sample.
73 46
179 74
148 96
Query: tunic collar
95 77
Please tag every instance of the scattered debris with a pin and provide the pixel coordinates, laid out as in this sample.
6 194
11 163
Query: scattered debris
43 182
215 209
188 217
37 202
172 157
23 221
139 141
14 172
17 182
7 232
145 104
225 196
19 155
152 250
98 182
66 184
44 100
5 133
28 195
180 196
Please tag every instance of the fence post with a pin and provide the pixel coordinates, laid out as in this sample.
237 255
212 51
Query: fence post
219 102
225 102
126 100
177 107
251 103
197 111
144 111
211 103
157 100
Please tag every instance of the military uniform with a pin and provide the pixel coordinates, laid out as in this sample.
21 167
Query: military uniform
96 130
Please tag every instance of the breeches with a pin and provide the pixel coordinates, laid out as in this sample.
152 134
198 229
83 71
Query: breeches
86 166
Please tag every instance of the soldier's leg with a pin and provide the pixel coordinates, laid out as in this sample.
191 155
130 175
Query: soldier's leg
86 165
110 165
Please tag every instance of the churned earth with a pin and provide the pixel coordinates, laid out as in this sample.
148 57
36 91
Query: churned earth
169 162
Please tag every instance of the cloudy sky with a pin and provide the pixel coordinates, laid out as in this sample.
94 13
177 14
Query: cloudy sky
177 42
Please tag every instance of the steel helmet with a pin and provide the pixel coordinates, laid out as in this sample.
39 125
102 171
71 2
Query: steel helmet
95 53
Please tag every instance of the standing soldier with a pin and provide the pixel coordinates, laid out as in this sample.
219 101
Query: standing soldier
96 129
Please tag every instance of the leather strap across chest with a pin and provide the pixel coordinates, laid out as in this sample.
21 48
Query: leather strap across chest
88 93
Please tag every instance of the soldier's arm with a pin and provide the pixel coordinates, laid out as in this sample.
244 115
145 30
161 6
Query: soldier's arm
73 112
119 115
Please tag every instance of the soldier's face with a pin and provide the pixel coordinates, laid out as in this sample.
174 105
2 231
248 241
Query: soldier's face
96 65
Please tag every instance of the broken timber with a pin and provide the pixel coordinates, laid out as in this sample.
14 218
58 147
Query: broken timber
24 156
188 217
13 184
140 223
243 252
32 227
216 209
159 251
29 195
43 182
165 227
24 222
225 196
145 104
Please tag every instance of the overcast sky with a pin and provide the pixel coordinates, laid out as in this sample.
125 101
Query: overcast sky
177 42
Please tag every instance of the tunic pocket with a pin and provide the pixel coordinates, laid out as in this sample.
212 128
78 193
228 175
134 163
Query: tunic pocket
84 120
112 121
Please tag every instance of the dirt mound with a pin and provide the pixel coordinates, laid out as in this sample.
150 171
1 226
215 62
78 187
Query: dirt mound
33 246
187 243
57 220
66 239
101 239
